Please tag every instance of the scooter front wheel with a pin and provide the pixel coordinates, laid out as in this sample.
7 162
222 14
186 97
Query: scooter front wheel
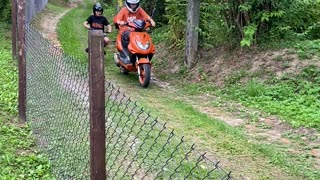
145 73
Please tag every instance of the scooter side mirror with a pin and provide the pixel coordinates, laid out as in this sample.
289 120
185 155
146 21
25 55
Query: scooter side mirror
153 13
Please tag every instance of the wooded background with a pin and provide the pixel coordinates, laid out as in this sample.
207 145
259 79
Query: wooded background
230 23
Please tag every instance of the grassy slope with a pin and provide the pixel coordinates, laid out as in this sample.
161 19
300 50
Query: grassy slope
262 160
18 158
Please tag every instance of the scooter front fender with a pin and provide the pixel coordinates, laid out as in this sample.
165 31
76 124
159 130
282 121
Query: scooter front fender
143 61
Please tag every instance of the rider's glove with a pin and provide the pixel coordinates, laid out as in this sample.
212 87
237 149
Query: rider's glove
153 24
120 23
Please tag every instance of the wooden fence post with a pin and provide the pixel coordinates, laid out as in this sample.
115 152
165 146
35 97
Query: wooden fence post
21 61
193 16
97 105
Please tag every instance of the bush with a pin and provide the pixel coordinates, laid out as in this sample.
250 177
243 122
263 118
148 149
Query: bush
5 10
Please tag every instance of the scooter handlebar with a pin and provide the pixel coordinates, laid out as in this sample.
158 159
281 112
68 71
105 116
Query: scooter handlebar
131 25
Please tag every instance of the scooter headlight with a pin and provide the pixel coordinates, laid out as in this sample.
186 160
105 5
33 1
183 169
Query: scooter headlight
143 46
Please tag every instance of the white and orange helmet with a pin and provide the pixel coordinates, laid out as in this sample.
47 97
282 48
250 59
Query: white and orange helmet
129 2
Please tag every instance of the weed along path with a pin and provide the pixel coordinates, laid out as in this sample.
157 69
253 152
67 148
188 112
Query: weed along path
250 143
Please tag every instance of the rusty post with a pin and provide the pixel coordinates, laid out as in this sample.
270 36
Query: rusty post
97 105
21 61
14 28
191 48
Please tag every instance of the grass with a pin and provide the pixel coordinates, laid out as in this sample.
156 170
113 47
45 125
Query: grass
75 33
298 98
77 39
227 142
224 140
19 158
294 99
57 109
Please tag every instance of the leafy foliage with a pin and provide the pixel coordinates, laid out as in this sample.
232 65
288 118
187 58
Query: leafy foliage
247 22
5 10
176 12
18 160
8 75
273 18
159 15
211 27
296 99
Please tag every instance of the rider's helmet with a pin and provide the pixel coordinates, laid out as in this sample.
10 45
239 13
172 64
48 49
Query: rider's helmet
129 2
97 7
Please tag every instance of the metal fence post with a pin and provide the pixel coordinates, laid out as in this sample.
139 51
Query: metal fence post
97 105
22 61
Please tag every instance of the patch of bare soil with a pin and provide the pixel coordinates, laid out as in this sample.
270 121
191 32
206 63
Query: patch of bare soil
218 65
49 28
49 23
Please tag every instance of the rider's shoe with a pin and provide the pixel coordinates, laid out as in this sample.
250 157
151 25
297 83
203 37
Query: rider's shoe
123 71
116 59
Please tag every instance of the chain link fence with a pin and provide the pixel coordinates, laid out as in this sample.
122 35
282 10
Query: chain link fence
58 106
138 146
33 7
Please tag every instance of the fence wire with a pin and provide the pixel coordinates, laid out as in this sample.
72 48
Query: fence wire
33 7
138 146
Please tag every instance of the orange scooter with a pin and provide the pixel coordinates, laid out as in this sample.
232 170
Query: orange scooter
137 55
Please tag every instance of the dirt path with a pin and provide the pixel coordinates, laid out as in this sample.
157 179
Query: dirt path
259 127
49 23
49 28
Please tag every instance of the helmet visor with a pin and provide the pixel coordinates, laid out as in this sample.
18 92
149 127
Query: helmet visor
132 4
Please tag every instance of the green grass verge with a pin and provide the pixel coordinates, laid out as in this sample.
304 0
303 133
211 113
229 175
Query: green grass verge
18 157
224 139
73 36
296 101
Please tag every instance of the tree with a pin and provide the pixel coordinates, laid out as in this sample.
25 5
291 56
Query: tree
5 10
254 20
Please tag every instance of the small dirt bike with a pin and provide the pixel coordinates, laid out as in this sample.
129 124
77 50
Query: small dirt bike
137 55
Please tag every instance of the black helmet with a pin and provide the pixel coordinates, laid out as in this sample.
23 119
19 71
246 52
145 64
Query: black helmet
97 7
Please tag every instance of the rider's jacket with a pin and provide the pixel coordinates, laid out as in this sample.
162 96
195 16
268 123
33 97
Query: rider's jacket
127 16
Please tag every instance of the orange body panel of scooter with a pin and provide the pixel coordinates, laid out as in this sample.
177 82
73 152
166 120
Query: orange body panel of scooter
143 38
141 50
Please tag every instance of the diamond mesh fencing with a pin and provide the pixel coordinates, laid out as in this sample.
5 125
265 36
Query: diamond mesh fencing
58 106
138 146
33 7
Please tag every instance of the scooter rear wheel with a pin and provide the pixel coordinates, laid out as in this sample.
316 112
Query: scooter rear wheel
145 73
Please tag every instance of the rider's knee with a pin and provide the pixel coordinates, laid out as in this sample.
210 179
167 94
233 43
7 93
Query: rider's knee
106 41
125 36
